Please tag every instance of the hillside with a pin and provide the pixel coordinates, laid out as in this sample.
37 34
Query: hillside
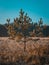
3 31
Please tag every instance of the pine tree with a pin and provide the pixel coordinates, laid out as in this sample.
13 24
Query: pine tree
11 32
20 26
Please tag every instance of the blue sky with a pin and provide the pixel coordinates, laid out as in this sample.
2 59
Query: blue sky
35 9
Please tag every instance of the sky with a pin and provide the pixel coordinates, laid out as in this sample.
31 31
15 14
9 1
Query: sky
35 8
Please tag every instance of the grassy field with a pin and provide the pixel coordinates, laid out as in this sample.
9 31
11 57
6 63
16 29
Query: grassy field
36 52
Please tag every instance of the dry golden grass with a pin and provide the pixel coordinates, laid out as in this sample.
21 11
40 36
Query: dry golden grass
13 51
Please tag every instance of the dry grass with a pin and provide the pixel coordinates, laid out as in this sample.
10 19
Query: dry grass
37 52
